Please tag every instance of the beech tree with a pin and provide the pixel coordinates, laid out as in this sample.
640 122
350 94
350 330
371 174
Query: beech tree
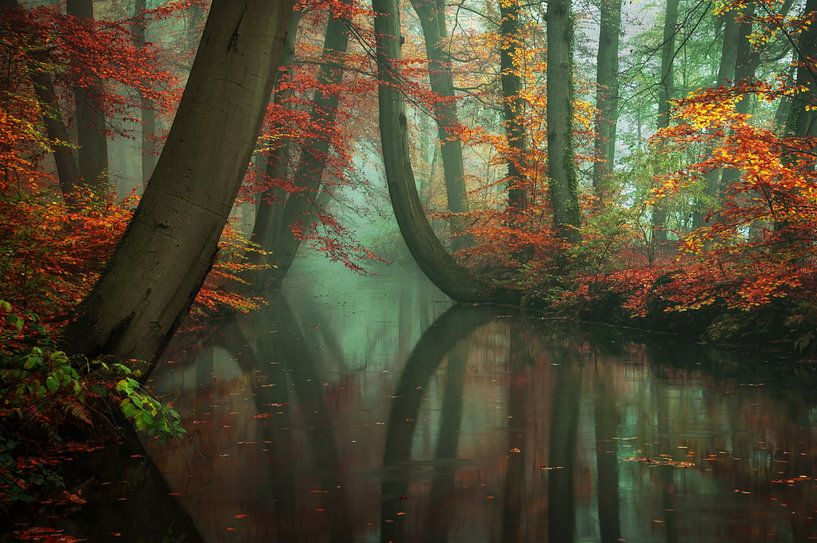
606 98
564 194
276 219
665 93
147 111
513 105
428 252
441 78
92 156
169 246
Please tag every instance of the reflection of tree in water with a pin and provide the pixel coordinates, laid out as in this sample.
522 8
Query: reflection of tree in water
445 337
280 361
549 452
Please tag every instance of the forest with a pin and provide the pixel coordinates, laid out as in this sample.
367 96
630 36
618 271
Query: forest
273 230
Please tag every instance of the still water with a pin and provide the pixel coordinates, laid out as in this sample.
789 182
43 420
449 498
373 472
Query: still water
369 409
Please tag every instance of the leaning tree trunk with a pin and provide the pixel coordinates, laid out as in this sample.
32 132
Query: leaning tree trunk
169 246
606 100
513 106
91 138
564 195
147 110
301 205
665 93
436 263
441 79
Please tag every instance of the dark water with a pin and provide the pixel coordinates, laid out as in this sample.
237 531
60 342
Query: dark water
369 409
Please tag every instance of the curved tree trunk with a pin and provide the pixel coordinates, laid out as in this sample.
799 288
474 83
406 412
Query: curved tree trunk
441 79
91 138
170 243
564 195
431 256
606 99
665 88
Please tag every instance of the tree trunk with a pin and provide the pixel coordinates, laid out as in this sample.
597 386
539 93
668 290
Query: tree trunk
147 108
90 117
665 93
269 216
607 86
55 129
441 79
802 121
300 206
564 195
424 246
169 246
67 171
513 106
726 72
746 62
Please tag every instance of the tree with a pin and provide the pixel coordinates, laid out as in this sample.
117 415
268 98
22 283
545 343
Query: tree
428 252
606 99
92 157
563 185
726 72
802 120
147 110
283 244
513 106
665 93
441 78
169 246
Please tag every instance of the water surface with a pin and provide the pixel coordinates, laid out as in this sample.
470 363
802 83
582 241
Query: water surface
369 409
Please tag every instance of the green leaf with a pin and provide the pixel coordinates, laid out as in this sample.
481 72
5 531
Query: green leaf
52 383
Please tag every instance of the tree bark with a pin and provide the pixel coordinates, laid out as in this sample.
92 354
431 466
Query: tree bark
169 246
665 94
269 217
436 263
563 185
301 206
802 121
441 79
147 111
726 72
607 87
67 172
90 117
513 106
746 62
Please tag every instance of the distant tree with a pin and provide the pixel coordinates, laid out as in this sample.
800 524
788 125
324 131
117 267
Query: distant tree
89 94
666 88
607 88
564 191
